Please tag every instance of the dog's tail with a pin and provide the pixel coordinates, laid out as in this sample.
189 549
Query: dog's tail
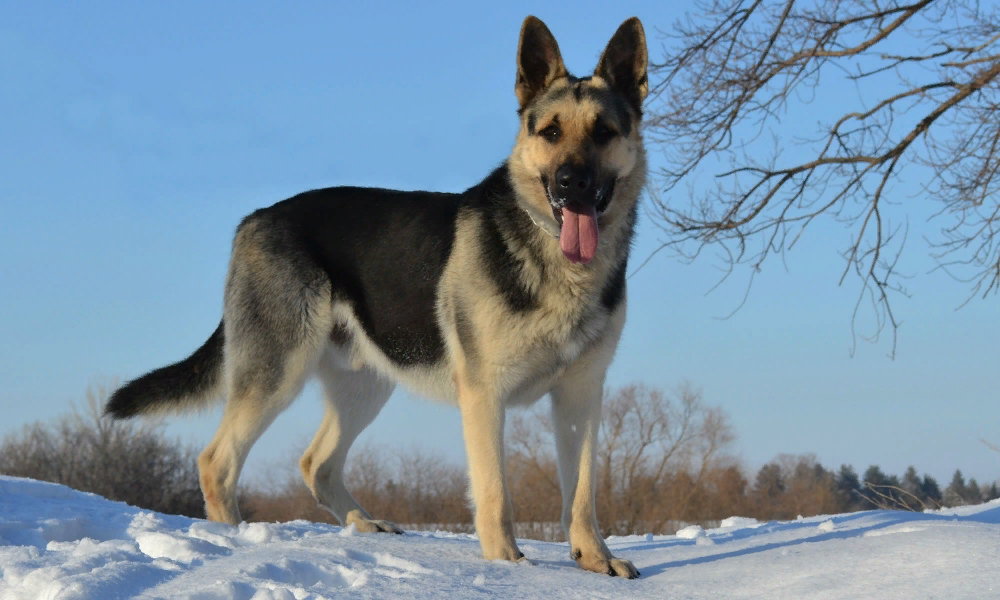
190 384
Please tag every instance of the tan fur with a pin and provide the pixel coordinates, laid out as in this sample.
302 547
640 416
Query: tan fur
544 347
561 347
533 157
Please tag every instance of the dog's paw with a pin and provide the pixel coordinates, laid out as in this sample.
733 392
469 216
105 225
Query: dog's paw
620 567
376 526
615 567
508 553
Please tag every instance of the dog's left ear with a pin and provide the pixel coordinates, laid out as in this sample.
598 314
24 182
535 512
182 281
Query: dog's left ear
623 63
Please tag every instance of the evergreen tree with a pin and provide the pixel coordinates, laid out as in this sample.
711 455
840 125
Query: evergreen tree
805 474
769 482
875 476
931 491
769 490
911 483
876 486
848 488
993 492
954 494
973 495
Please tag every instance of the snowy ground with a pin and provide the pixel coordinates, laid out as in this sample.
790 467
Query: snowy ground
59 543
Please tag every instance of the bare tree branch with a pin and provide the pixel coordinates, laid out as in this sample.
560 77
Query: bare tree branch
731 73
887 497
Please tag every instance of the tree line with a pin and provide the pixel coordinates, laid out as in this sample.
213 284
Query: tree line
664 460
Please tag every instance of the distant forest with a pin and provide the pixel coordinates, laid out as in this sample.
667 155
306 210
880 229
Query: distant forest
664 461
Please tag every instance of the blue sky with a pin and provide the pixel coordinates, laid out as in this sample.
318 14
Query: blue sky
134 136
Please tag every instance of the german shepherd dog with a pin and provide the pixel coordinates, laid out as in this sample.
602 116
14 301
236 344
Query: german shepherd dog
485 299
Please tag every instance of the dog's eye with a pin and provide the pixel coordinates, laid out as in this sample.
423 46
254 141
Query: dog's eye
551 133
603 134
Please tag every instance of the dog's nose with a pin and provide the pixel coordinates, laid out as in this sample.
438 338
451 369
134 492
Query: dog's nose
574 179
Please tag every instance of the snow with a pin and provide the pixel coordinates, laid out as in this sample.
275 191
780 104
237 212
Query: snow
56 543
691 532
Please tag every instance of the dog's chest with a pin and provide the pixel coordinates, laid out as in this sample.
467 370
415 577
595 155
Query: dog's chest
540 368
586 332
563 340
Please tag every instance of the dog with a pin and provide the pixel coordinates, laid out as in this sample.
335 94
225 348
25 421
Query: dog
485 299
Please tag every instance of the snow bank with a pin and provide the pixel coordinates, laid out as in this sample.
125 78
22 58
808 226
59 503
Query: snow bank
56 543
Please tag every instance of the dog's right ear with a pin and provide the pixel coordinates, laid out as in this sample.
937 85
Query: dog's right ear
538 61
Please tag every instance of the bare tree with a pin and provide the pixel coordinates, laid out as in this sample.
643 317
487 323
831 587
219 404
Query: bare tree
658 454
927 76
648 438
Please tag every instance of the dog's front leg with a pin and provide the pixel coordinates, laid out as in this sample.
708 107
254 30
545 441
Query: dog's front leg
576 415
483 427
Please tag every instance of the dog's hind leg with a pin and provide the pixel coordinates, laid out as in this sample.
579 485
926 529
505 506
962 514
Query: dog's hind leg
278 316
245 418
353 400
254 402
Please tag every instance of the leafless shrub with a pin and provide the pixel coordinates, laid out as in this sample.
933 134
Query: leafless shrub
403 486
120 460
927 75
415 487
660 457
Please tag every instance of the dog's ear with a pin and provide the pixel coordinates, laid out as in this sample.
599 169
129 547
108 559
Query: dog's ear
623 63
538 60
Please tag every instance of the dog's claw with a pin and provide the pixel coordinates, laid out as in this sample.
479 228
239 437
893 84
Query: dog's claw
387 527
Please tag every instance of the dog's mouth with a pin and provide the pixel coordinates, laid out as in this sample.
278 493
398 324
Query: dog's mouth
578 228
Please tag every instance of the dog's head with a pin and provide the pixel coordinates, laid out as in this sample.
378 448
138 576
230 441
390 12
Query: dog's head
579 141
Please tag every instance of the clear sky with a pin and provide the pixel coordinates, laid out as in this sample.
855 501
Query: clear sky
135 135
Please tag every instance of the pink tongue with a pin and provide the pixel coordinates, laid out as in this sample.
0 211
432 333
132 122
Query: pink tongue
578 238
